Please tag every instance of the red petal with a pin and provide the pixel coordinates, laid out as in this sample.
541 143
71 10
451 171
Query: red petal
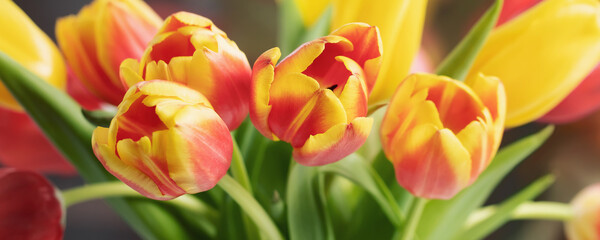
24 146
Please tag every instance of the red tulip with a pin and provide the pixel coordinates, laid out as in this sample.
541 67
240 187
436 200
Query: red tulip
29 207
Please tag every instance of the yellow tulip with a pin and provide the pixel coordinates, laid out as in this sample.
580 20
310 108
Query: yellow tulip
401 25
23 41
542 55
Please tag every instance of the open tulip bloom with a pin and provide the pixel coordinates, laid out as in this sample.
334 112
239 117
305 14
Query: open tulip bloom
187 140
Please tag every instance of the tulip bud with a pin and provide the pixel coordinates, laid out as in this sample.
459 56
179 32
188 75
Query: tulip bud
191 50
165 141
24 42
29 206
100 37
316 98
542 55
440 134
585 224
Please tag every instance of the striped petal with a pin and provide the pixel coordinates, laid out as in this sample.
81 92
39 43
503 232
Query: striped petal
336 143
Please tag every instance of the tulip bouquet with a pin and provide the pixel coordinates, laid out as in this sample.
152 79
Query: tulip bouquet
327 136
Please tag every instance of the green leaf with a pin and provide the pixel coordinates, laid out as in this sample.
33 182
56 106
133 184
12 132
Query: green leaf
320 28
306 211
269 180
443 219
61 119
291 27
361 173
504 211
457 64
293 33
251 207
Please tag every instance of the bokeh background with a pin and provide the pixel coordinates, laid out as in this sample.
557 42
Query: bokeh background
572 153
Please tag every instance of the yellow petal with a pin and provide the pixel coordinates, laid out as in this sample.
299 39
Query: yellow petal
542 55
24 42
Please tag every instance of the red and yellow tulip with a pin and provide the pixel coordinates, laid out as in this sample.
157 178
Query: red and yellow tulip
191 50
585 224
401 24
166 140
24 42
100 37
542 55
316 98
440 134
29 206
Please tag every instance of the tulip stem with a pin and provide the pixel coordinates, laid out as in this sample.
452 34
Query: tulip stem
526 211
238 168
251 207
119 189
414 216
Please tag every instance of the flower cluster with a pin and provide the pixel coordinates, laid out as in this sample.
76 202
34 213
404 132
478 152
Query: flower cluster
182 88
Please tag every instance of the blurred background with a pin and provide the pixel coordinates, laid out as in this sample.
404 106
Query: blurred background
572 153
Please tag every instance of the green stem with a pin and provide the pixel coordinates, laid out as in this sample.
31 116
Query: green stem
388 196
240 174
251 207
414 216
238 168
119 189
527 211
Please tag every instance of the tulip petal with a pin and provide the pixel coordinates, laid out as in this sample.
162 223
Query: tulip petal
582 101
367 51
474 138
121 34
305 55
336 143
126 173
76 34
263 75
230 71
434 168
292 99
199 137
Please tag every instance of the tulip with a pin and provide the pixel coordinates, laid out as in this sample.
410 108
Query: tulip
316 98
191 50
542 55
100 37
401 25
440 134
585 224
29 206
165 140
23 41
